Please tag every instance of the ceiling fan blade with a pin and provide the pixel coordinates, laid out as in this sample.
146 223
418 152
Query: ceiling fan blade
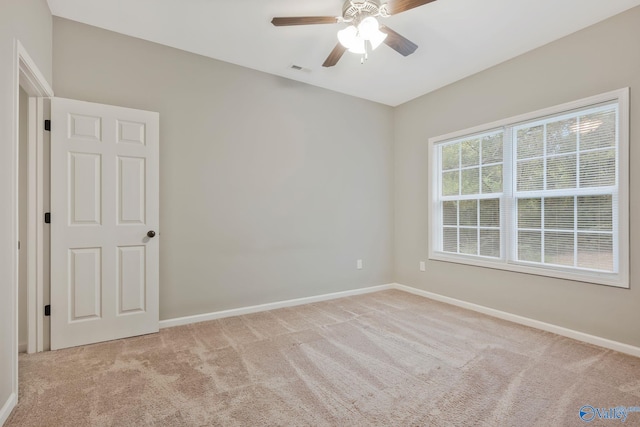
303 20
397 42
334 56
396 6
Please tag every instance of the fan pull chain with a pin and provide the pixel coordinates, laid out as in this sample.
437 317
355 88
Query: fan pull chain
365 55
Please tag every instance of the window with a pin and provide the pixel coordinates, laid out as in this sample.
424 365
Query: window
543 193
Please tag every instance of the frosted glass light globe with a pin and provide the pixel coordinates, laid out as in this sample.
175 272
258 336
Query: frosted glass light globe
368 28
347 36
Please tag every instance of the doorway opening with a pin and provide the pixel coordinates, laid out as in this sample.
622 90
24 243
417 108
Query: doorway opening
31 198
33 234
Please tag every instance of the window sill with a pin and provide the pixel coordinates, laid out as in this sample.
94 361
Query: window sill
592 277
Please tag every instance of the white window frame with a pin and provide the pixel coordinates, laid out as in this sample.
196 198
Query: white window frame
507 260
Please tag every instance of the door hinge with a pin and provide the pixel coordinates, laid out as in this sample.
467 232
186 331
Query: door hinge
47 310
47 218
47 125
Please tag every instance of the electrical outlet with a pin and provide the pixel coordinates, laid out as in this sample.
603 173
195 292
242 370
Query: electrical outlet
359 264
423 266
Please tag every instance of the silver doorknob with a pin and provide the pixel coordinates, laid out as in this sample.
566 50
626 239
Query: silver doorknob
151 233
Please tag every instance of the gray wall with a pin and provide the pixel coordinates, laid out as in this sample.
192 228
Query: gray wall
30 22
269 189
600 58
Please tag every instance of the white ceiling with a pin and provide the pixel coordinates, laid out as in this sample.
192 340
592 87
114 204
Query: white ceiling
456 38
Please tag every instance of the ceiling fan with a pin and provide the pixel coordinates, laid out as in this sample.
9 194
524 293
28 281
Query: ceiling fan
363 34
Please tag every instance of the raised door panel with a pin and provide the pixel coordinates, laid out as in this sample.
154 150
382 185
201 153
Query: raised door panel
131 190
85 283
132 283
86 128
131 132
85 189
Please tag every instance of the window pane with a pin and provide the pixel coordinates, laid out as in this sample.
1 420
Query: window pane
450 213
451 156
559 213
490 213
529 246
561 137
490 243
469 241
492 179
561 172
598 168
595 213
558 248
469 212
530 142
470 153
451 183
492 148
530 175
598 130
595 251
450 239
529 213
471 181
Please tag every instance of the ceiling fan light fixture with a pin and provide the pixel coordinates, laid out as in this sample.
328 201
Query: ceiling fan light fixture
354 38
351 39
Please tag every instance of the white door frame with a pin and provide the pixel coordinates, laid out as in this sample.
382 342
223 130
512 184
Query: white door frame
28 76
25 74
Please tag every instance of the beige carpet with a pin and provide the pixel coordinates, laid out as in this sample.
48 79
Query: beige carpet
383 359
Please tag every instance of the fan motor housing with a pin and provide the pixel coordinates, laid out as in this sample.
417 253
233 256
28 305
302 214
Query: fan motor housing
356 10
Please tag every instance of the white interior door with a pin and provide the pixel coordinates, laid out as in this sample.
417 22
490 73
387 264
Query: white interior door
104 214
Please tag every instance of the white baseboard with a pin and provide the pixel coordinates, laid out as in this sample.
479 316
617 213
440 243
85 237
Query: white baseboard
570 333
22 347
270 306
7 408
